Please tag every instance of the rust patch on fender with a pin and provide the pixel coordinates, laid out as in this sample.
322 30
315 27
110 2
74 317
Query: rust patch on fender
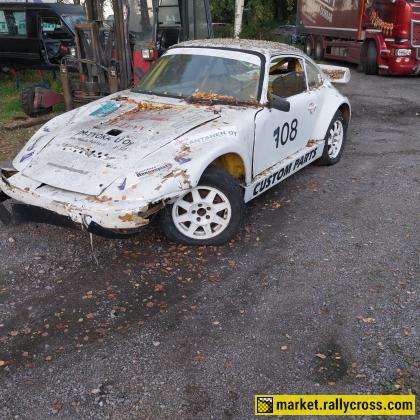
133 217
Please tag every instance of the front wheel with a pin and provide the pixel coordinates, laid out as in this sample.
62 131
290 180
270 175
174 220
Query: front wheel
334 141
209 214
370 58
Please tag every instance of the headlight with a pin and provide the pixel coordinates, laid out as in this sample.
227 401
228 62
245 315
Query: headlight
402 52
147 54
73 51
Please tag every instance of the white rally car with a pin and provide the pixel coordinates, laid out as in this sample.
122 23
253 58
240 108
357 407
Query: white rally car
213 125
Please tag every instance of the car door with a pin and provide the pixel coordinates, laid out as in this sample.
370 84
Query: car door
18 38
279 134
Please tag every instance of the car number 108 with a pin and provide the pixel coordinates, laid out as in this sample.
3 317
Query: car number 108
284 134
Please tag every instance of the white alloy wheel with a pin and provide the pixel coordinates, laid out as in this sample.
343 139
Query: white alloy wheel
202 213
335 139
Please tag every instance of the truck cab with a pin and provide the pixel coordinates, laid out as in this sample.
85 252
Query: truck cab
383 36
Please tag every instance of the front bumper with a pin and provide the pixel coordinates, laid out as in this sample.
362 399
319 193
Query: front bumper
99 215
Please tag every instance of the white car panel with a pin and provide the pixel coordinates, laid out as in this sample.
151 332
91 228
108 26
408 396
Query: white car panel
117 160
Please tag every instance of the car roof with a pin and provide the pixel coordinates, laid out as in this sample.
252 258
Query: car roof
268 48
59 8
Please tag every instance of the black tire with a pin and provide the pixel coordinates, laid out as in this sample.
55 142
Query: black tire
370 58
326 159
319 49
309 46
220 180
27 101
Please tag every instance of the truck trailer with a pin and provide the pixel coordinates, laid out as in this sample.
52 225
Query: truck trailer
382 36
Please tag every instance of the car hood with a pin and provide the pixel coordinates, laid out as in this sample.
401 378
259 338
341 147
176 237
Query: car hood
110 139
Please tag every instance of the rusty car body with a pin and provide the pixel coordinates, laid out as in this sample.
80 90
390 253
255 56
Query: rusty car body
257 114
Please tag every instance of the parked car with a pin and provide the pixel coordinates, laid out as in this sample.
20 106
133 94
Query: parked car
291 33
37 35
213 125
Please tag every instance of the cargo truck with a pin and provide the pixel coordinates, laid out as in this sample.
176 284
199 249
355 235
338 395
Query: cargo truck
382 36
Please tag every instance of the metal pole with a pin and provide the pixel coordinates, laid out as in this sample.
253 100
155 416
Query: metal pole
239 11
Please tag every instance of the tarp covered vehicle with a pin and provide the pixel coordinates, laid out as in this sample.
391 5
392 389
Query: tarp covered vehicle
213 125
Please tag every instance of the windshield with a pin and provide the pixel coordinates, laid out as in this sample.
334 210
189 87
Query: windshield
72 20
221 76
141 20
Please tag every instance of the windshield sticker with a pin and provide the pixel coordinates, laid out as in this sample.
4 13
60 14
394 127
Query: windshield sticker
106 109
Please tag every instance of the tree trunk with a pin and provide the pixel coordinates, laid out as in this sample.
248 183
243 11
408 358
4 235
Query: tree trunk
239 12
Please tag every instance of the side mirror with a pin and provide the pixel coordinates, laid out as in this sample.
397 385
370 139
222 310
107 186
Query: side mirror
279 103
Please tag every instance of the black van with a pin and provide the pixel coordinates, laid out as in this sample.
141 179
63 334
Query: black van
37 35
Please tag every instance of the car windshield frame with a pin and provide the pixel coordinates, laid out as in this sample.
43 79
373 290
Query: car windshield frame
71 20
182 49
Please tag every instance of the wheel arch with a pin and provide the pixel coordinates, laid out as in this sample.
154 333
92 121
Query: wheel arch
233 162
344 108
329 112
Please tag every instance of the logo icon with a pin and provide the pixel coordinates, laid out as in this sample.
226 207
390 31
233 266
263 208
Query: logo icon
265 405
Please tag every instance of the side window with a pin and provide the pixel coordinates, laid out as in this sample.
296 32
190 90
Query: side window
20 22
314 76
169 13
51 24
12 23
287 77
4 30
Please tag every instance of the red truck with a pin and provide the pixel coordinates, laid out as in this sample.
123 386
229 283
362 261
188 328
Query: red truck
383 36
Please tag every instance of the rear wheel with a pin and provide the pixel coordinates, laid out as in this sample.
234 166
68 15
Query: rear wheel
28 105
309 46
334 141
209 214
319 49
370 59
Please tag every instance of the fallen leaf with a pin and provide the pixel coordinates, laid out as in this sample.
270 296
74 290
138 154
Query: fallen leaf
14 333
159 288
57 405
90 315
48 358
321 356
367 320
284 348
2 363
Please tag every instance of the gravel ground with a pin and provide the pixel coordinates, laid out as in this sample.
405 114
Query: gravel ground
326 264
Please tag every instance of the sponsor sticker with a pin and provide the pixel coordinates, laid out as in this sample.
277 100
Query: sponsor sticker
105 109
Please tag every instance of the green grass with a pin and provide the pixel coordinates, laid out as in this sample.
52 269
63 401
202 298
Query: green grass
10 107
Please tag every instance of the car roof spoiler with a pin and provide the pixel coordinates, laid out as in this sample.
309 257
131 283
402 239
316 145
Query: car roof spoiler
336 74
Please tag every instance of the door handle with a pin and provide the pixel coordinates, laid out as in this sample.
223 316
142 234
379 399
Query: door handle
312 108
